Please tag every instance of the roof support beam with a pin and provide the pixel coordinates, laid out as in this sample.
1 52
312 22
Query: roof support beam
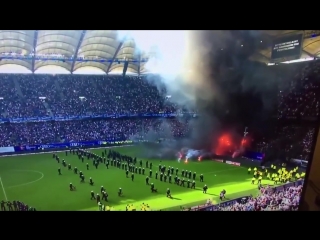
139 64
35 40
114 56
75 56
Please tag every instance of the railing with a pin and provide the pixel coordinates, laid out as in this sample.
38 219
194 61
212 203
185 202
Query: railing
97 116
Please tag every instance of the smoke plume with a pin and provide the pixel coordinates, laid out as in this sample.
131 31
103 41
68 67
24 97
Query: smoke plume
195 75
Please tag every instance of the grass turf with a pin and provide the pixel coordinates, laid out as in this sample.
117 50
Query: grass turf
34 180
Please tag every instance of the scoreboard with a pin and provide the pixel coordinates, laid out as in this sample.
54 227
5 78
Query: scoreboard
287 48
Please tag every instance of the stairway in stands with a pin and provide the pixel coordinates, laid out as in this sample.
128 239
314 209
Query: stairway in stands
46 105
56 83
3 111
20 93
18 89
96 87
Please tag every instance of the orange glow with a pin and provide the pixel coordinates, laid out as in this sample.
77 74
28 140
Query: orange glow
246 142
225 144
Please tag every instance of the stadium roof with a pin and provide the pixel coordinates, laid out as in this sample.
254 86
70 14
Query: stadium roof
70 49
310 46
106 50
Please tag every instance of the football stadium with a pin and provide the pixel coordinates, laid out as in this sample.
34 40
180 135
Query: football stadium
104 120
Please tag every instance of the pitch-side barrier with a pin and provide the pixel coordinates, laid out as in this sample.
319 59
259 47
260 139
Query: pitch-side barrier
45 152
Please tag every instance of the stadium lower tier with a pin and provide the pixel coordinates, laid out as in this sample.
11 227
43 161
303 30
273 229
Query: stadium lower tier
15 134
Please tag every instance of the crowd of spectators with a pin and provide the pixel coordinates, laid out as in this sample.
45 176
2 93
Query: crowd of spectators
37 95
299 91
89 130
12 105
286 199
290 141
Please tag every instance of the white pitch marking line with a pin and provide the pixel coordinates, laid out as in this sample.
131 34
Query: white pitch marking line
4 191
24 184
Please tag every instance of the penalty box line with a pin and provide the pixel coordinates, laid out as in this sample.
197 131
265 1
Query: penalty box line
3 189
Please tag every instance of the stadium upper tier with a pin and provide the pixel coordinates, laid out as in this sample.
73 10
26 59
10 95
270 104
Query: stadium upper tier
47 95
310 46
71 49
38 95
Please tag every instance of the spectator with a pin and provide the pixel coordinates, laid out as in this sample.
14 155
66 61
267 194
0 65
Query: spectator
290 141
286 199
299 91
75 95
74 131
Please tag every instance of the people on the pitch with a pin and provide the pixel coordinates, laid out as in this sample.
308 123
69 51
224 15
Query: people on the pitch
205 188
222 194
201 178
120 192
169 193
98 197
153 189
15 206
72 187
91 181
92 195
105 196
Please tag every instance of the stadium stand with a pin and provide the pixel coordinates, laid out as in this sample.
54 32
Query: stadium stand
117 95
298 95
298 101
74 131
286 199
79 95
69 95
290 141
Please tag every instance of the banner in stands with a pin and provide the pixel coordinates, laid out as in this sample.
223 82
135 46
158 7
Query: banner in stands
105 116
69 144
233 163
6 149
219 160
241 199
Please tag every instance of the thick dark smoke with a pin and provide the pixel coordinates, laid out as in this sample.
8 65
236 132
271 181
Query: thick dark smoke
228 91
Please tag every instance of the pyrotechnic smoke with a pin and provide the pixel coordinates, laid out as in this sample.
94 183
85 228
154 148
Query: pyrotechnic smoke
180 58
190 68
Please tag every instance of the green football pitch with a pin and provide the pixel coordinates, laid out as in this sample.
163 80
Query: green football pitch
34 180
